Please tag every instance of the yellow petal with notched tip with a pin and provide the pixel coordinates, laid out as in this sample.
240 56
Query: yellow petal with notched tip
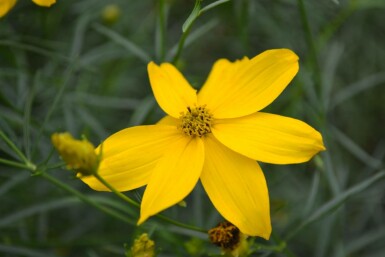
171 90
174 176
237 188
130 155
247 86
269 138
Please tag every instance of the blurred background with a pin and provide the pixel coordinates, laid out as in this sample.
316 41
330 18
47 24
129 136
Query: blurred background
80 66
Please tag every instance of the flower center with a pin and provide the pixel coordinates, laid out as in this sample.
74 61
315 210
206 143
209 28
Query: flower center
196 121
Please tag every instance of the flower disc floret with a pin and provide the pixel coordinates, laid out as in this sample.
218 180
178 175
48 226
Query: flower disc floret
196 121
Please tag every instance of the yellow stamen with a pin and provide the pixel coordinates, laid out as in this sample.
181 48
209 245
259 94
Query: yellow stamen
196 121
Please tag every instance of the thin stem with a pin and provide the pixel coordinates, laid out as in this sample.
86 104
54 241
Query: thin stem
180 45
119 194
85 199
14 148
130 201
15 164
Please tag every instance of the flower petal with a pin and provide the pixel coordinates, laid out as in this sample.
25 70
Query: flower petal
129 156
46 3
236 186
5 6
247 86
171 90
168 120
174 177
269 138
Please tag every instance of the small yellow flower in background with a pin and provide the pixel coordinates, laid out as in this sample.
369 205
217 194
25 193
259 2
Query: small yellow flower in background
7 5
215 136
79 155
143 247
111 13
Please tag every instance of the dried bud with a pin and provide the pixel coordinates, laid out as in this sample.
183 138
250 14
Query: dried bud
231 240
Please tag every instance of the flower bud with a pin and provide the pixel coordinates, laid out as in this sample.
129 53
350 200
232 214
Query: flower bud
79 155
143 247
110 14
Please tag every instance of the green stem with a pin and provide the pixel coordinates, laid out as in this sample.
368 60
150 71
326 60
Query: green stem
180 45
15 164
310 43
130 201
14 148
85 199
116 192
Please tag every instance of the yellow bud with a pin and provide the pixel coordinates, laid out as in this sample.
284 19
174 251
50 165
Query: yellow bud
143 247
111 13
79 155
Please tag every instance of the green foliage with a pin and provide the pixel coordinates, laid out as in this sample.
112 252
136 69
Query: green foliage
64 68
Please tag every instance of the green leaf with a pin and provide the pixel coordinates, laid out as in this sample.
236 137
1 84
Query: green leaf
120 40
333 204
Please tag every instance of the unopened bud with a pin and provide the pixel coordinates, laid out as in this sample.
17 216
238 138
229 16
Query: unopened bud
110 13
79 155
143 247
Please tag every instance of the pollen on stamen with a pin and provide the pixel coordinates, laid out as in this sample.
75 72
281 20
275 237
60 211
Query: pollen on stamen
196 121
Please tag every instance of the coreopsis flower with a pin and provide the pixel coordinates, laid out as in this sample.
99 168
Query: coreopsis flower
215 136
7 5
79 155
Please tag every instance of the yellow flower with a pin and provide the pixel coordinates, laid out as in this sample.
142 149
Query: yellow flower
79 155
7 5
215 136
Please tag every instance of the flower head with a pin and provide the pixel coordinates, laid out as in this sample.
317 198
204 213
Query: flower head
215 136
79 155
